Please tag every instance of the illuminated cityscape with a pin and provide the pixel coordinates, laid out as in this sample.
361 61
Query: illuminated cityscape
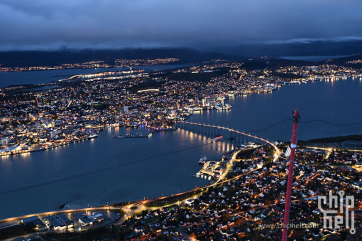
180 120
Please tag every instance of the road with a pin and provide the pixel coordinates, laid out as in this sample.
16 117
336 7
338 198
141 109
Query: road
18 219
127 209
277 151
27 236
132 209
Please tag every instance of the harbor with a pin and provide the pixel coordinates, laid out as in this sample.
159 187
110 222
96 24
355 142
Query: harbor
137 135
27 149
218 168
171 155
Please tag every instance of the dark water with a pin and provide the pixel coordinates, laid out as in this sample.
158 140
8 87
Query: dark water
103 170
39 77
313 58
112 170
337 102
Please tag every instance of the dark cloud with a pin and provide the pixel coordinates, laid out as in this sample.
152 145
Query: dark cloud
195 23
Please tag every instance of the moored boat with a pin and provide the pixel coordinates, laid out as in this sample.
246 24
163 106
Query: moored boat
93 135
202 160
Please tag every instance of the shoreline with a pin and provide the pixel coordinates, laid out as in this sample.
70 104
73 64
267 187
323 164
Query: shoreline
13 153
102 70
156 129
68 143
42 149
114 206
214 183
110 67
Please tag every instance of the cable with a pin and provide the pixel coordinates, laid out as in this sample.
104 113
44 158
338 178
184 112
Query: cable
271 125
306 122
103 169
330 123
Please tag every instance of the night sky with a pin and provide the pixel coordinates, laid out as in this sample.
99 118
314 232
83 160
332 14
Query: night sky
28 24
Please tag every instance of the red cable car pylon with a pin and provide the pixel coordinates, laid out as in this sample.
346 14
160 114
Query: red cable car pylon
293 145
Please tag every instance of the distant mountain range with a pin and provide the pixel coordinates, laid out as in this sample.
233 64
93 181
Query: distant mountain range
303 48
21 58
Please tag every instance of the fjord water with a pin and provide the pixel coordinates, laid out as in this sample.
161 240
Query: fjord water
112 170
313 58
46 76
332 101
103 170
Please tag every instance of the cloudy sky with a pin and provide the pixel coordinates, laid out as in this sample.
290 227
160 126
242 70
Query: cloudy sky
191 23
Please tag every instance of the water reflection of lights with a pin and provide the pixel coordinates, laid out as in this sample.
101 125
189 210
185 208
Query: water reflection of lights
237 132
5 157
25 154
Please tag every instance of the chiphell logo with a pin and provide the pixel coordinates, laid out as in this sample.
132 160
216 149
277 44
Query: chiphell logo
339 211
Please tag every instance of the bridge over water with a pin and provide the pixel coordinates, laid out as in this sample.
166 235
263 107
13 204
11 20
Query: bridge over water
205 129
236 136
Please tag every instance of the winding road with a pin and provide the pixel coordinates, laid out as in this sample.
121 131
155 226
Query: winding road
134 208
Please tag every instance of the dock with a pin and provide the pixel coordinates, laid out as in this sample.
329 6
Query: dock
133 136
